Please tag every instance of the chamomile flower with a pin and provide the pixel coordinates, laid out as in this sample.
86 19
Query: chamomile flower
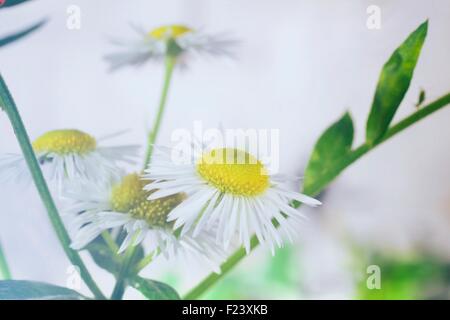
232 189
66 155
122 203
172 40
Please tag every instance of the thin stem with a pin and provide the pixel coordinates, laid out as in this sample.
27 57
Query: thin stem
10 108
170 62
5 272
119 288
357 153
169 66
145 261
112 245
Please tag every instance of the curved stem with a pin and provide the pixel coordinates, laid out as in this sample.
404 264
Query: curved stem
170 64
357 153
5 273
119 288
10 108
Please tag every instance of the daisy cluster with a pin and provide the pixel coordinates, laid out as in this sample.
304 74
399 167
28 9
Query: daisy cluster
202 209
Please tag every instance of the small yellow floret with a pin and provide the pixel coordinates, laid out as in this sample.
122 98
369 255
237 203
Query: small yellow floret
234 171
65 142
129 197
172 31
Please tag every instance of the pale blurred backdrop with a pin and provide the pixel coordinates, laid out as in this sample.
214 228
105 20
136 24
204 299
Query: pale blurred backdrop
300 64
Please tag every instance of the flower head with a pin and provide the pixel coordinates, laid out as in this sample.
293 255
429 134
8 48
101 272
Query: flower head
65 142
232 189
129 196
233 171
173 31
123 203
69 154
176 41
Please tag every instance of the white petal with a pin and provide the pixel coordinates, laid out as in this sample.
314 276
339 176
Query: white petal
298 196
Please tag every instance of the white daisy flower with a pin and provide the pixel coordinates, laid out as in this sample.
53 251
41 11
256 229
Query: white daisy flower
122 203
171 40
230 188
67 155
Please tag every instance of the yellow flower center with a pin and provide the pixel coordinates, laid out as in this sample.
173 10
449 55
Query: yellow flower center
172 31
129 197
234 171
65 142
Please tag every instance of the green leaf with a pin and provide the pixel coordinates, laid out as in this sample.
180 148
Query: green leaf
31 290
334 144
393 83
155 290
10 3
101 254
20 34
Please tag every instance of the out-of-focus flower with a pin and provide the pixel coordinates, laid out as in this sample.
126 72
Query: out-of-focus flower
95 208
229 188
68 155
177 41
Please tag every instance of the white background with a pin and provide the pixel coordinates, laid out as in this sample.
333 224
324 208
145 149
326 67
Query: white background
300 65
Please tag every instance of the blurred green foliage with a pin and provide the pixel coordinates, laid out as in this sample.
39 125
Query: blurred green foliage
416 277
268 277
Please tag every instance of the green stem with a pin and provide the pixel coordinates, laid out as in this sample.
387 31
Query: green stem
364 148
357 153
7 103
112 245
170 64
119 288
145 261
5 273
